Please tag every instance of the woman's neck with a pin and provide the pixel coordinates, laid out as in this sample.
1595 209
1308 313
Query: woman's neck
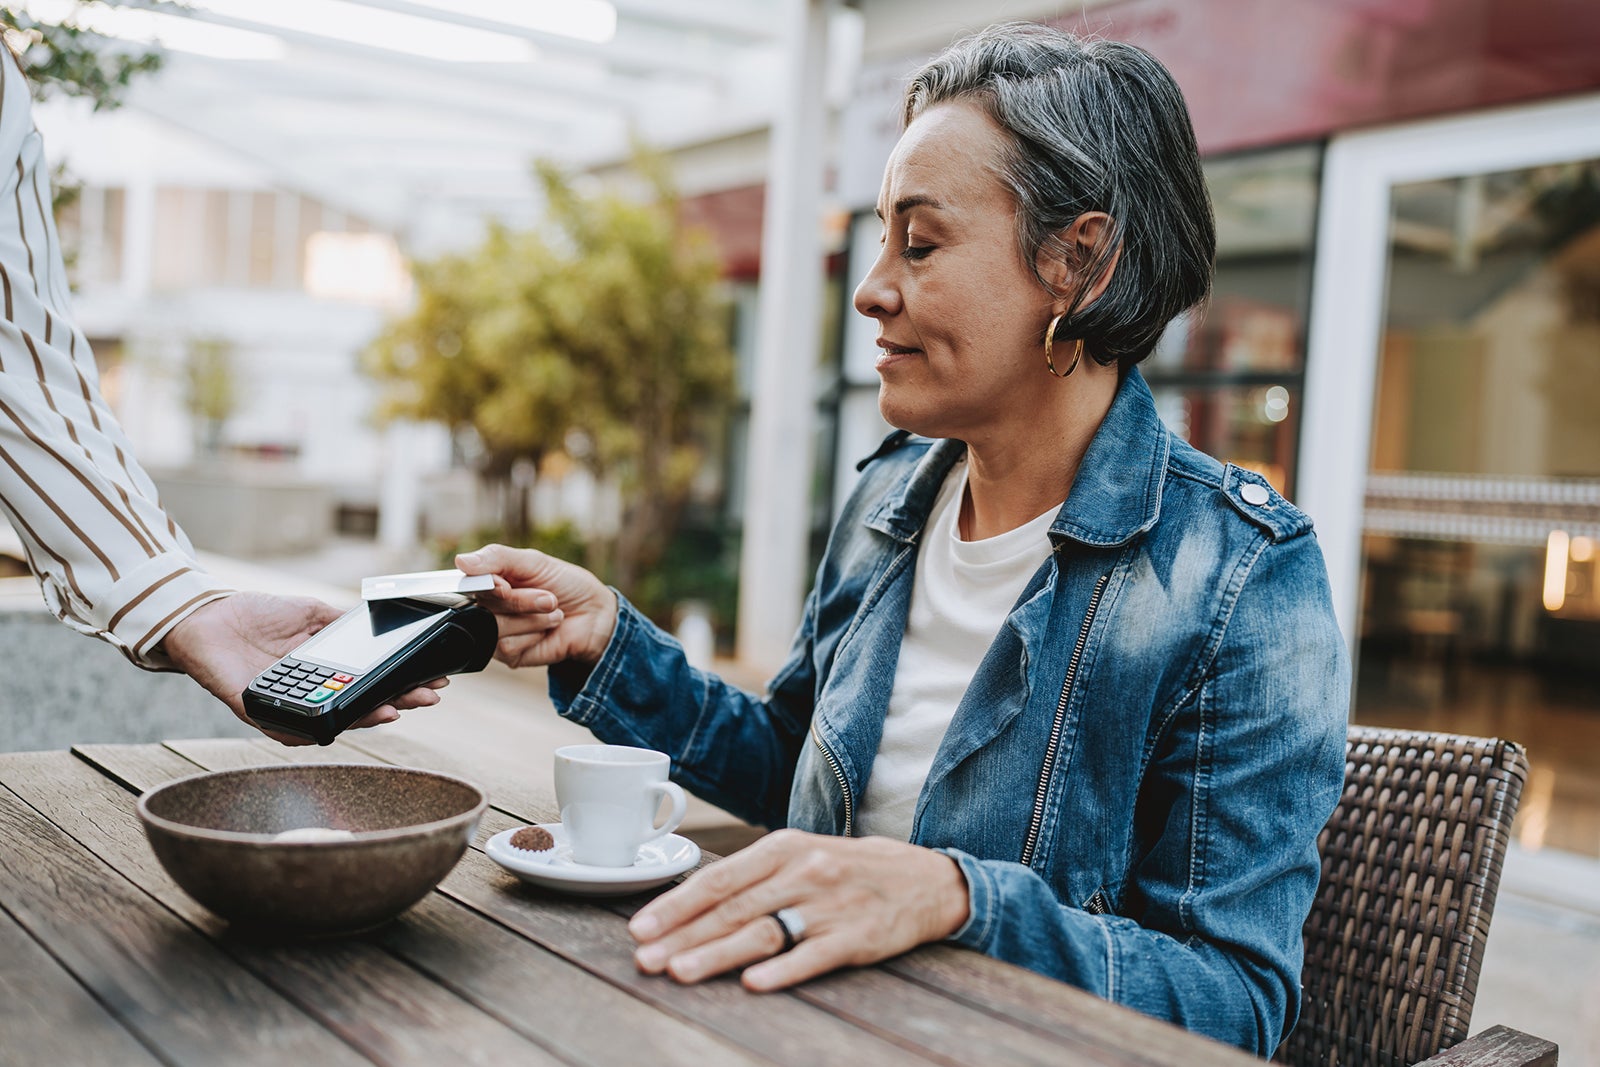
1019 468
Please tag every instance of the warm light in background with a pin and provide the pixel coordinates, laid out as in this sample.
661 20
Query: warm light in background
1582 550
1276 405
365 268
1555 570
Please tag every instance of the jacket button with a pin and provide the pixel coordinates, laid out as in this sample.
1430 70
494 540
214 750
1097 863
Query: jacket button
1251 493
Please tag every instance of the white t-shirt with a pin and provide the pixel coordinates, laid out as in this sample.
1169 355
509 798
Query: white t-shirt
960 597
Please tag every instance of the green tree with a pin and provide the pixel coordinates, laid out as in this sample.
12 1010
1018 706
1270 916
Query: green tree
210 391
63 57
602 335
476 353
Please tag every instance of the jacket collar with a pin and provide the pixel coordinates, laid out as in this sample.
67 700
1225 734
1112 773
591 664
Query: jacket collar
1115 497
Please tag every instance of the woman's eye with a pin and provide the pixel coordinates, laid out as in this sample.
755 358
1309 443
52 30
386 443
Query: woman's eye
916 251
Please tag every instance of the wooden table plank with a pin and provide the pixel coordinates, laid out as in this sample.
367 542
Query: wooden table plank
921 1014
47 1017
904 1011
938 1004
376 1003
1041 1003
159 977
540 996
779 1026
504 777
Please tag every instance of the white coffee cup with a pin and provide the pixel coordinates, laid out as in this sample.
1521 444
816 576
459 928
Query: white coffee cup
609 795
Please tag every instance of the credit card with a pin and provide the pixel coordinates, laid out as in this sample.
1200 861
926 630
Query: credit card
423 583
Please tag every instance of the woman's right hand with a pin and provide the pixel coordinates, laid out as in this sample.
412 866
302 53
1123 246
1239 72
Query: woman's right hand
549 611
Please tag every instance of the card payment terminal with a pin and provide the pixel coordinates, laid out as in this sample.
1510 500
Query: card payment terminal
367 657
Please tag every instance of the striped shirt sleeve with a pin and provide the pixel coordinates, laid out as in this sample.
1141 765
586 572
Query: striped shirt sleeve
110 561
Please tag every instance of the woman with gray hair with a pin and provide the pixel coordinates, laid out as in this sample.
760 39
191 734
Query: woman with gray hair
1067 691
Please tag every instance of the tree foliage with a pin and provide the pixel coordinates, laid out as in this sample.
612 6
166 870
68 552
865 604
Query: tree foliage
602 335
63 57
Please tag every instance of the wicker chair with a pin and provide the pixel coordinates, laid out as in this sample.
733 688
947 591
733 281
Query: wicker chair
1410 866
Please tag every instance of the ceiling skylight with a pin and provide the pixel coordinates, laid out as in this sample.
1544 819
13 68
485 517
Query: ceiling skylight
376 28
175 32
585 20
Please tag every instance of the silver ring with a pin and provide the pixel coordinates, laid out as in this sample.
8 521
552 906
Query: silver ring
793 925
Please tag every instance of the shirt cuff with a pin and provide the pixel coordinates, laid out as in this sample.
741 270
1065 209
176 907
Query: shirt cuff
982 899
579 691
145 604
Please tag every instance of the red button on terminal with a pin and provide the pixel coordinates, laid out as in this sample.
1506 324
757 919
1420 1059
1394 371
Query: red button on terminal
344 678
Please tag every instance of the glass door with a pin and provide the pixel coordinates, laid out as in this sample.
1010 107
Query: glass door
1473 512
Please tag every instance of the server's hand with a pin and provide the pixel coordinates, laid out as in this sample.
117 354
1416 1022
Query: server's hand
223 645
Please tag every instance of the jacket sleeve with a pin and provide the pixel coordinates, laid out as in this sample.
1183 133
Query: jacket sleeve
109 560
1207 931
730 747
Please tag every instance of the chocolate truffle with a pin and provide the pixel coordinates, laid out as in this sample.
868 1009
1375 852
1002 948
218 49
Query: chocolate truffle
533 839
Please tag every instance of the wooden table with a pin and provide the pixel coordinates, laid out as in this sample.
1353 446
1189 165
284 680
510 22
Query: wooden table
104 960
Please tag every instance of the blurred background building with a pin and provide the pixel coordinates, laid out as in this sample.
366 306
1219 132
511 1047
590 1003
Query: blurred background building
1404 335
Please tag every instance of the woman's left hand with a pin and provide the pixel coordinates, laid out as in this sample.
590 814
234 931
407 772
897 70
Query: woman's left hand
862 900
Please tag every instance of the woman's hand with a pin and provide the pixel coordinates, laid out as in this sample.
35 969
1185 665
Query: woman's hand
862 899
549 611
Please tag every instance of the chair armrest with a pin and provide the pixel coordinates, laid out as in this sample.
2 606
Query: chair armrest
1498 1046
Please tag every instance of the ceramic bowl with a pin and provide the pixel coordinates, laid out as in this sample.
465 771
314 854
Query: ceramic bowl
402 831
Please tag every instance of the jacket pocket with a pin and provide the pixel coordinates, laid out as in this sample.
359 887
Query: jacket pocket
1098 903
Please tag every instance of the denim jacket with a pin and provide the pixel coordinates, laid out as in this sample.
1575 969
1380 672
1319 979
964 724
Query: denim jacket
1134 781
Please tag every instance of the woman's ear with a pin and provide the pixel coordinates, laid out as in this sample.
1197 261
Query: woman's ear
1081 241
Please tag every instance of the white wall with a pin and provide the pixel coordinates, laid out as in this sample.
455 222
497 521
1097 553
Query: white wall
296 356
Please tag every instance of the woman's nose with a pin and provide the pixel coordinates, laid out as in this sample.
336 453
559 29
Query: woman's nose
875 297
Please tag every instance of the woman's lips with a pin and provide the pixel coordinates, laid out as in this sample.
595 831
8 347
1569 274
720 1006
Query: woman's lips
889 354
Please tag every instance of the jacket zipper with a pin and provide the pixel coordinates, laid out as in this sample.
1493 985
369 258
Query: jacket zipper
1037 821
827 754
838 775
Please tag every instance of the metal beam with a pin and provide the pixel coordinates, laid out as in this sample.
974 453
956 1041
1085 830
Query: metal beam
686 60
297 79
517 79
727 18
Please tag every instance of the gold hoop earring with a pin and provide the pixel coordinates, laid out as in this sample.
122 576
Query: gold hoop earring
1049 341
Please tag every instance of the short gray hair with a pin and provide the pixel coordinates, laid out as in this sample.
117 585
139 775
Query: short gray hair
1095 126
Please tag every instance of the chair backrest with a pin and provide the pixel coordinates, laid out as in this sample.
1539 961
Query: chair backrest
1410 867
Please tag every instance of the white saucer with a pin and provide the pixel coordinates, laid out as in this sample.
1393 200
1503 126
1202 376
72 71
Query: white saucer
659 861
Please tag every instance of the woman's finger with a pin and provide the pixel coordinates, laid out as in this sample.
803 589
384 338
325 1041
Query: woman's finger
726 918
811 957
525 650
518 625
755 940
713 885
518 601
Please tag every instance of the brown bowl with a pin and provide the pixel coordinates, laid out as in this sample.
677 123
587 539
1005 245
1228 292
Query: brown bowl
214 833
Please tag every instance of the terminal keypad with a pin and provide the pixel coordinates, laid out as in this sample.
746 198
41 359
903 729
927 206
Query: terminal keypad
305 683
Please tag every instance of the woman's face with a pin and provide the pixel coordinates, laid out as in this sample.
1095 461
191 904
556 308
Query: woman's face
960 314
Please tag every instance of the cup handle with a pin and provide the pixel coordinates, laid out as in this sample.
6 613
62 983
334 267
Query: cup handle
680 804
